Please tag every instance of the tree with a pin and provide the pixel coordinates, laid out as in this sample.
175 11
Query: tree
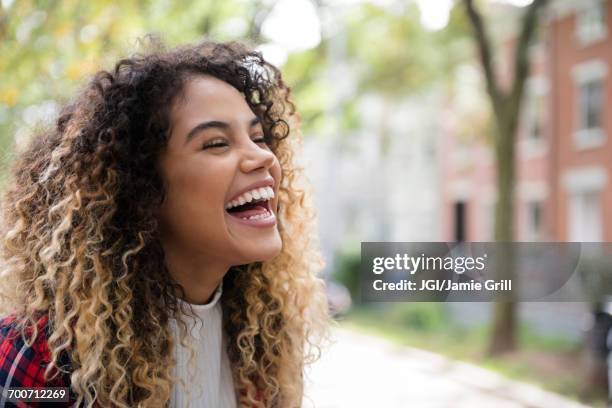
506 106
50 47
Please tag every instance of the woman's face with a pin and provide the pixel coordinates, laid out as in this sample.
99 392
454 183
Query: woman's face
215 158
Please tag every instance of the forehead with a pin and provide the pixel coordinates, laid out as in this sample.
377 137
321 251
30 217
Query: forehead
208 98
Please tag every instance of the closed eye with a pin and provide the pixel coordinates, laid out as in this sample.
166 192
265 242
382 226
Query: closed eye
214 145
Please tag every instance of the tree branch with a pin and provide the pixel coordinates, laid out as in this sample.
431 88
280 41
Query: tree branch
485 53
521 58
3 24
257 16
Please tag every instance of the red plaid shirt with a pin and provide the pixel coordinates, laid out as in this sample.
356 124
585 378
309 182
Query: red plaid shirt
24 366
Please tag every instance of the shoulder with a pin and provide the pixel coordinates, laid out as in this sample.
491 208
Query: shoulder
23 365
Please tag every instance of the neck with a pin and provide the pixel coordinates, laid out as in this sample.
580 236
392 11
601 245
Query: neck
199 277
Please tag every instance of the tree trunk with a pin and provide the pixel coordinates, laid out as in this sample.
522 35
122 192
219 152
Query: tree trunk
506 106
504 319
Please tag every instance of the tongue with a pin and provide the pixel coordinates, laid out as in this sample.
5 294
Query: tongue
248 210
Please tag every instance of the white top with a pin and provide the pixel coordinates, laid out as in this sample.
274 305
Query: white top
208 382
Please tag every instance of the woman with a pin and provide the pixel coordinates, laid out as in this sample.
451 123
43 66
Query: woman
163 215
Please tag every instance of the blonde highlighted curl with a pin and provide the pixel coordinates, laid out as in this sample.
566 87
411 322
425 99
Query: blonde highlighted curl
79 239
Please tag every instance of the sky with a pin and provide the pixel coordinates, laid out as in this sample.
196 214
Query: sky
293 25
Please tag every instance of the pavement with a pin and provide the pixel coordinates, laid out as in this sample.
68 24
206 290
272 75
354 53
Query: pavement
359 371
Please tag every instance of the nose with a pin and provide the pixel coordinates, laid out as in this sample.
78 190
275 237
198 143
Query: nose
255 157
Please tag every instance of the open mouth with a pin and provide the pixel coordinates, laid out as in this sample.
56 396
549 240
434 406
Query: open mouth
253 205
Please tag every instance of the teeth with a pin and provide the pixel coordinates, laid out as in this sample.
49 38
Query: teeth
264 193
267 214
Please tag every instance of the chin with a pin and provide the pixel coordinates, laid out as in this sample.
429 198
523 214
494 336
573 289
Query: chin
263 253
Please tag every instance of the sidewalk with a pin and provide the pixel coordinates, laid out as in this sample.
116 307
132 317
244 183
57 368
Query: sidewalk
362 371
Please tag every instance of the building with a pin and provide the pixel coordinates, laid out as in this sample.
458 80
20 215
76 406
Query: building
563 189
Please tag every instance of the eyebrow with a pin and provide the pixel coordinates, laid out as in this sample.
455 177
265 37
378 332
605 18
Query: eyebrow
215 124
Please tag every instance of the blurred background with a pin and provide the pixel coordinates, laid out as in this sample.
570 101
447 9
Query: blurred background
424 120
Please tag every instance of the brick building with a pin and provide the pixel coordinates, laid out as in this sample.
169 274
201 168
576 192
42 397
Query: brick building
563 189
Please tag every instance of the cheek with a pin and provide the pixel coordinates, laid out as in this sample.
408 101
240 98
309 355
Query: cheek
195 193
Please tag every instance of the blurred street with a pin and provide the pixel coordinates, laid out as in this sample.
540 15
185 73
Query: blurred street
359 370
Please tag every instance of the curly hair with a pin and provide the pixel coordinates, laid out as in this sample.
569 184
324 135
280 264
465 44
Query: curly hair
80 241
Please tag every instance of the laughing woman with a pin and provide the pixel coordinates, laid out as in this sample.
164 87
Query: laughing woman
157 244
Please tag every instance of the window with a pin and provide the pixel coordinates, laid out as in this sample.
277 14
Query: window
534 118
590 79
591 21
537 105
534 220
585 217
590 104
460 221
